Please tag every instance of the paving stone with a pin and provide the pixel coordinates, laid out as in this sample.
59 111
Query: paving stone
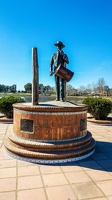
54 179
7 163
105 163
98 175
28 171
29 182
63 192
86 165
99 156
105 186
102 198
32 194
8 196
109 154
7 172
104 149
87 190
4 156
50 169
7 184
77 177
71 167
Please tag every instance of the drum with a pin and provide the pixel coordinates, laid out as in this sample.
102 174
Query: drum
64 73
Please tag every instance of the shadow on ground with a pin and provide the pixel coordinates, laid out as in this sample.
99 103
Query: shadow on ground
100 160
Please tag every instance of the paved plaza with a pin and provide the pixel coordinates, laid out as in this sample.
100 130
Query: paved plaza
87 179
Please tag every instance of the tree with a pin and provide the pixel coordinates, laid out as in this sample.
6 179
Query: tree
82 90
110 91
5 88
70 90
41 88
89 89
107 90
94 88
2 88
13 88
47 89
101 85
28 87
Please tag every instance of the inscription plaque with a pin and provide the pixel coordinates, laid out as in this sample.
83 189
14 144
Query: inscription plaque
27 125
83 124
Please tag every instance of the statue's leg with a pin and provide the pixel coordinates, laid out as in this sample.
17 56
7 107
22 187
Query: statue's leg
57 84
61 89
64 90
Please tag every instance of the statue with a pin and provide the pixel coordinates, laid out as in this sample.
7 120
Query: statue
59 59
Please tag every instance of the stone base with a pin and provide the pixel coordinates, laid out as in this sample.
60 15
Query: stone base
50 162
51 132
102 122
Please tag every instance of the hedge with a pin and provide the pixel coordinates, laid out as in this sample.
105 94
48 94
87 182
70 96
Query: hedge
98 107
6 105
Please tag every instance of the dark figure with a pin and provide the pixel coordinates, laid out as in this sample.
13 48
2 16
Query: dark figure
57 59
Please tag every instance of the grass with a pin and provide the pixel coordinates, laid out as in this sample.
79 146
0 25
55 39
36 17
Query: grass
14 94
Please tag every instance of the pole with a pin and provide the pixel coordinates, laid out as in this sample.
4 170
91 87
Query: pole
35 78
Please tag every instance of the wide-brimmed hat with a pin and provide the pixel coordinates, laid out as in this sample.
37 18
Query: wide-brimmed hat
59 43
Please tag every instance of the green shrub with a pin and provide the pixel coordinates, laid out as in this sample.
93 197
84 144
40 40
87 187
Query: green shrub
6 105
98 107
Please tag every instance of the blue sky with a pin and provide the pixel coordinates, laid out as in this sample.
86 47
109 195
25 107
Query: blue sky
84 26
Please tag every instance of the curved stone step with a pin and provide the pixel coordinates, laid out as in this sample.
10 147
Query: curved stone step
42 146
15 149
48 149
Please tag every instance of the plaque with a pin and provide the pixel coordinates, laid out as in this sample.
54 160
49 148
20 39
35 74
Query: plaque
27 125
83 124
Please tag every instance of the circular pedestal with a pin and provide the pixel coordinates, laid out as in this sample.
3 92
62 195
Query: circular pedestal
50 132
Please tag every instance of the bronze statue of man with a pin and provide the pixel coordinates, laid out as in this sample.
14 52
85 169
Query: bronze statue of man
57 59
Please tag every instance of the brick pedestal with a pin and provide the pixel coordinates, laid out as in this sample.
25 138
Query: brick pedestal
50 122
59 127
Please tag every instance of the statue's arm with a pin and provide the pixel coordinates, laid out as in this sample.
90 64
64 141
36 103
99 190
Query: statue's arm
65 57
